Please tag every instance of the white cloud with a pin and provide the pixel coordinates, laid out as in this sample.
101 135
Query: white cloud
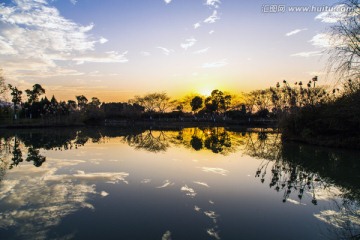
213 3
336 14
201 51
167 1
166 51
188 43
197 25
213 18
322 40
296 31
108 57
73 2
307 54
211 32
37 34
217 64
103 40
6 47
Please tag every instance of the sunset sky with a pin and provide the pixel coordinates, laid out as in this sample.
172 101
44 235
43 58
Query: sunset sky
115 49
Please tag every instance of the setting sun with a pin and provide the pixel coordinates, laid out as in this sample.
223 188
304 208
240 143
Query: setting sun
205 91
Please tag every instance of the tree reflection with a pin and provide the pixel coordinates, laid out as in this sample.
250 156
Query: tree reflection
215 139
35 157
196 143
16 154
152 141
299 171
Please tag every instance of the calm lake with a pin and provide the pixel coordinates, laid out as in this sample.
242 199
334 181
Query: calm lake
192 183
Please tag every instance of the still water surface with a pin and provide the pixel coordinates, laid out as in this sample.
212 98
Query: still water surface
208 183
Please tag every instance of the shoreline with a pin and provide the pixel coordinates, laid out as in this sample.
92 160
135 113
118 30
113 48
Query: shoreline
266 126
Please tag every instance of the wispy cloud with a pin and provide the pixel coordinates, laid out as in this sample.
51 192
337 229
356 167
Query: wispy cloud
216 64
211 32
197 25
188 43
201 51
108 57
167 1
53 38
103 40
296 31
322 40
213 3
73 2
212 18
333 16
307 54
166 51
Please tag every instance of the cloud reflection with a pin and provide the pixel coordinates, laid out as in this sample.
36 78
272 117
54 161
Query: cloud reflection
202 184
197 209
45 197
167 183
220 171
213 233
166 236
189 191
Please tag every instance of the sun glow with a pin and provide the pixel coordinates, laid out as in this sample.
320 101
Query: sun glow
205 91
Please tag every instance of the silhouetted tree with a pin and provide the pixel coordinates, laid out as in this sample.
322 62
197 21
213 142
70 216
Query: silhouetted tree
81 101
153 102
16 98
196 103
217 101
34 94
345 42
2 84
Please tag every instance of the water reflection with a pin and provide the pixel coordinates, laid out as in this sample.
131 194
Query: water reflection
299 174
300 171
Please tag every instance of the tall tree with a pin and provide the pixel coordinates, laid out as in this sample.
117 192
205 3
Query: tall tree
345 42
153 102
35 93
218 101
196 103
95 102
16 98
81 101
2 85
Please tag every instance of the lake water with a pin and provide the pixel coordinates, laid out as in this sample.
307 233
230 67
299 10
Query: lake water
193 183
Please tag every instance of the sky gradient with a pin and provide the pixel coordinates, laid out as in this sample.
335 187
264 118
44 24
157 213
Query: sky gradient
115 49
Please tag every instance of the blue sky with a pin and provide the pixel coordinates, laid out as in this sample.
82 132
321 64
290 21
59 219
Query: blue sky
115 49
